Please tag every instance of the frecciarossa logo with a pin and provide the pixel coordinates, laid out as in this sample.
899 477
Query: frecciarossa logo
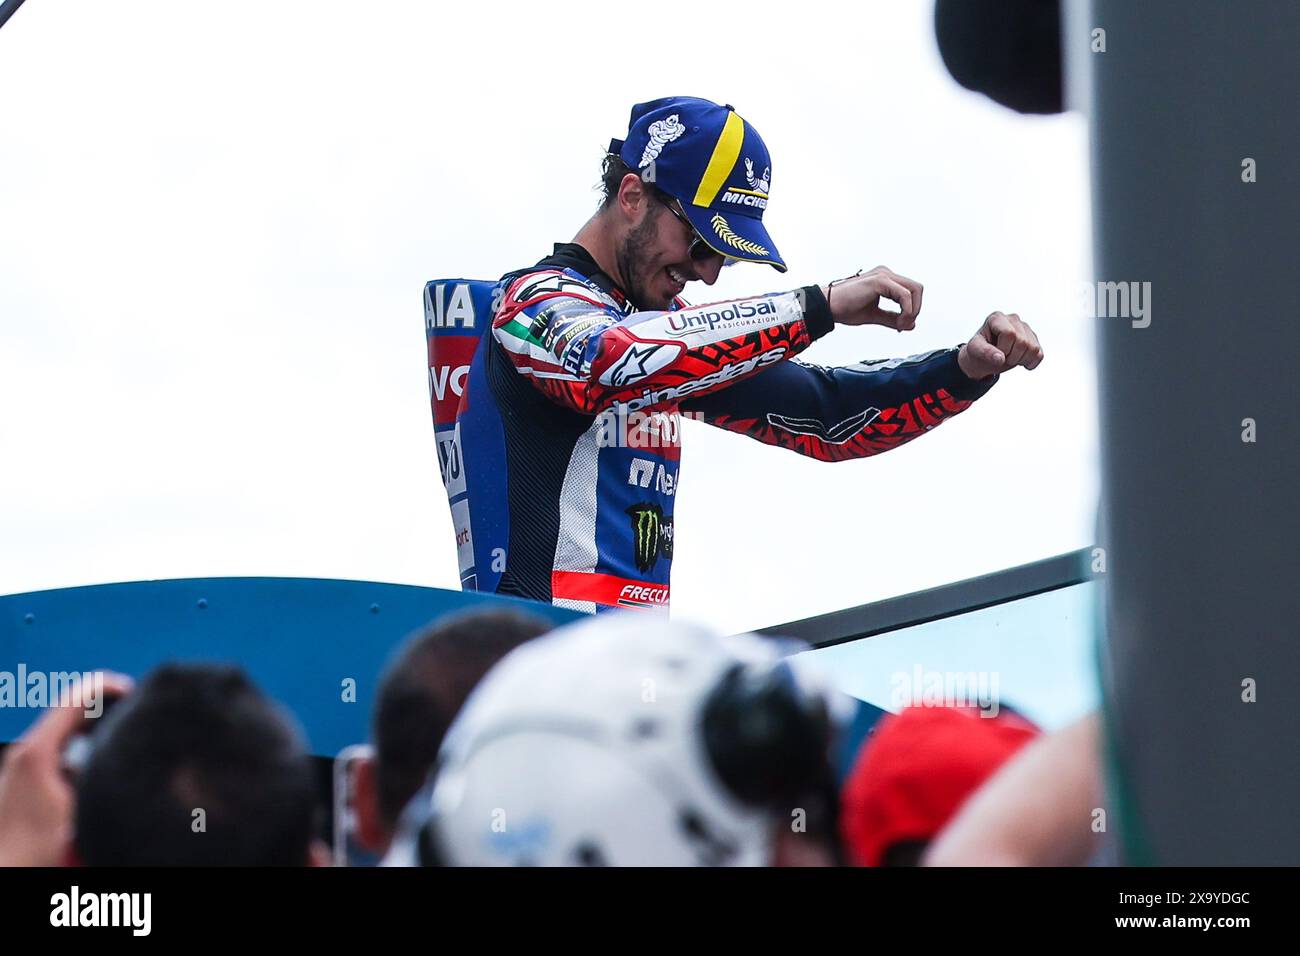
608 590
643 595
674 393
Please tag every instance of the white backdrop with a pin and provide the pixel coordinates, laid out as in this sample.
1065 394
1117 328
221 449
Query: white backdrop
216 221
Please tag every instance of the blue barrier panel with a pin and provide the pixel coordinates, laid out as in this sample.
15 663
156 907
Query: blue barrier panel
298 638
1036 654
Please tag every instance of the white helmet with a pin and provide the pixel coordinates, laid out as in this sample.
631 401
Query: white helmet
624 740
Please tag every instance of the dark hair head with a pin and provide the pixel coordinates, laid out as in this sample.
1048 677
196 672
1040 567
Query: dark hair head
423 690
196 737
612 171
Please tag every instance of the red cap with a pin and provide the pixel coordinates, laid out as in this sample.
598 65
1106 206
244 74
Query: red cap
917 769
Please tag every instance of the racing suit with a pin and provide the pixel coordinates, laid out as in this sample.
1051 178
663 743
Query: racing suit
591 393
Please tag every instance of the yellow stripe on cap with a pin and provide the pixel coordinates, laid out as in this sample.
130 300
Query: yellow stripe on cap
723 160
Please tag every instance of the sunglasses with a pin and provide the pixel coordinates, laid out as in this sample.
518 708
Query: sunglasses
700 251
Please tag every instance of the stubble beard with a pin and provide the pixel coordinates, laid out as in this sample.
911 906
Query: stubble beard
632 256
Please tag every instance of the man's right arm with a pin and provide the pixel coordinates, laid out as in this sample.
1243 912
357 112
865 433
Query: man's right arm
583 353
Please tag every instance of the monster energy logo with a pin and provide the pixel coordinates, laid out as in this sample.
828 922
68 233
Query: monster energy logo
652 535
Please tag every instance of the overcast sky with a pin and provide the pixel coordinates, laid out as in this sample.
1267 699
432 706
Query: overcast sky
216 220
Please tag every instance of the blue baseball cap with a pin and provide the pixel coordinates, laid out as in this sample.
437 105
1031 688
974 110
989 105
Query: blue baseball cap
713 162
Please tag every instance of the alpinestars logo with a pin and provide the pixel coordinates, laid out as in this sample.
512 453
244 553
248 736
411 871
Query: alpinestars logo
555 282
662 132
652 535
674 393
640 361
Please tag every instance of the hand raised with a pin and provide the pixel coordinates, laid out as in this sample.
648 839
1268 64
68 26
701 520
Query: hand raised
856 300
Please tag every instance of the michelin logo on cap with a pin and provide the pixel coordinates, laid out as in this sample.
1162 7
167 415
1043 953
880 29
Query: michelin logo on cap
756 195
662 132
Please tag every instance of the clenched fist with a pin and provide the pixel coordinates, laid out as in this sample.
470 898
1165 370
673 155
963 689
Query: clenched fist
1003 342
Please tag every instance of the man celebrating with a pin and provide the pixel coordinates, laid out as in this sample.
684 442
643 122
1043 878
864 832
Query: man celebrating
593 357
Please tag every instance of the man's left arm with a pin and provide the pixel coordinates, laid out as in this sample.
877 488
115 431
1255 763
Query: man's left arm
854 411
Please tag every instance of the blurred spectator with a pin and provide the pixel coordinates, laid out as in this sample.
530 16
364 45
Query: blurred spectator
1041 809
915 772
1009 50
419 696
197 768
36 795
628 740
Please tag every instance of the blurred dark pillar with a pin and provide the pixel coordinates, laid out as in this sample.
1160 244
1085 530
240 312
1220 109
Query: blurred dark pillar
1201 528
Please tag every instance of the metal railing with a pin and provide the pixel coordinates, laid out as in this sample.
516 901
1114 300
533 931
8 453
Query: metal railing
920 607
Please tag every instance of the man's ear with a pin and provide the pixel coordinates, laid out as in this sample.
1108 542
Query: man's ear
633 196
372 832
